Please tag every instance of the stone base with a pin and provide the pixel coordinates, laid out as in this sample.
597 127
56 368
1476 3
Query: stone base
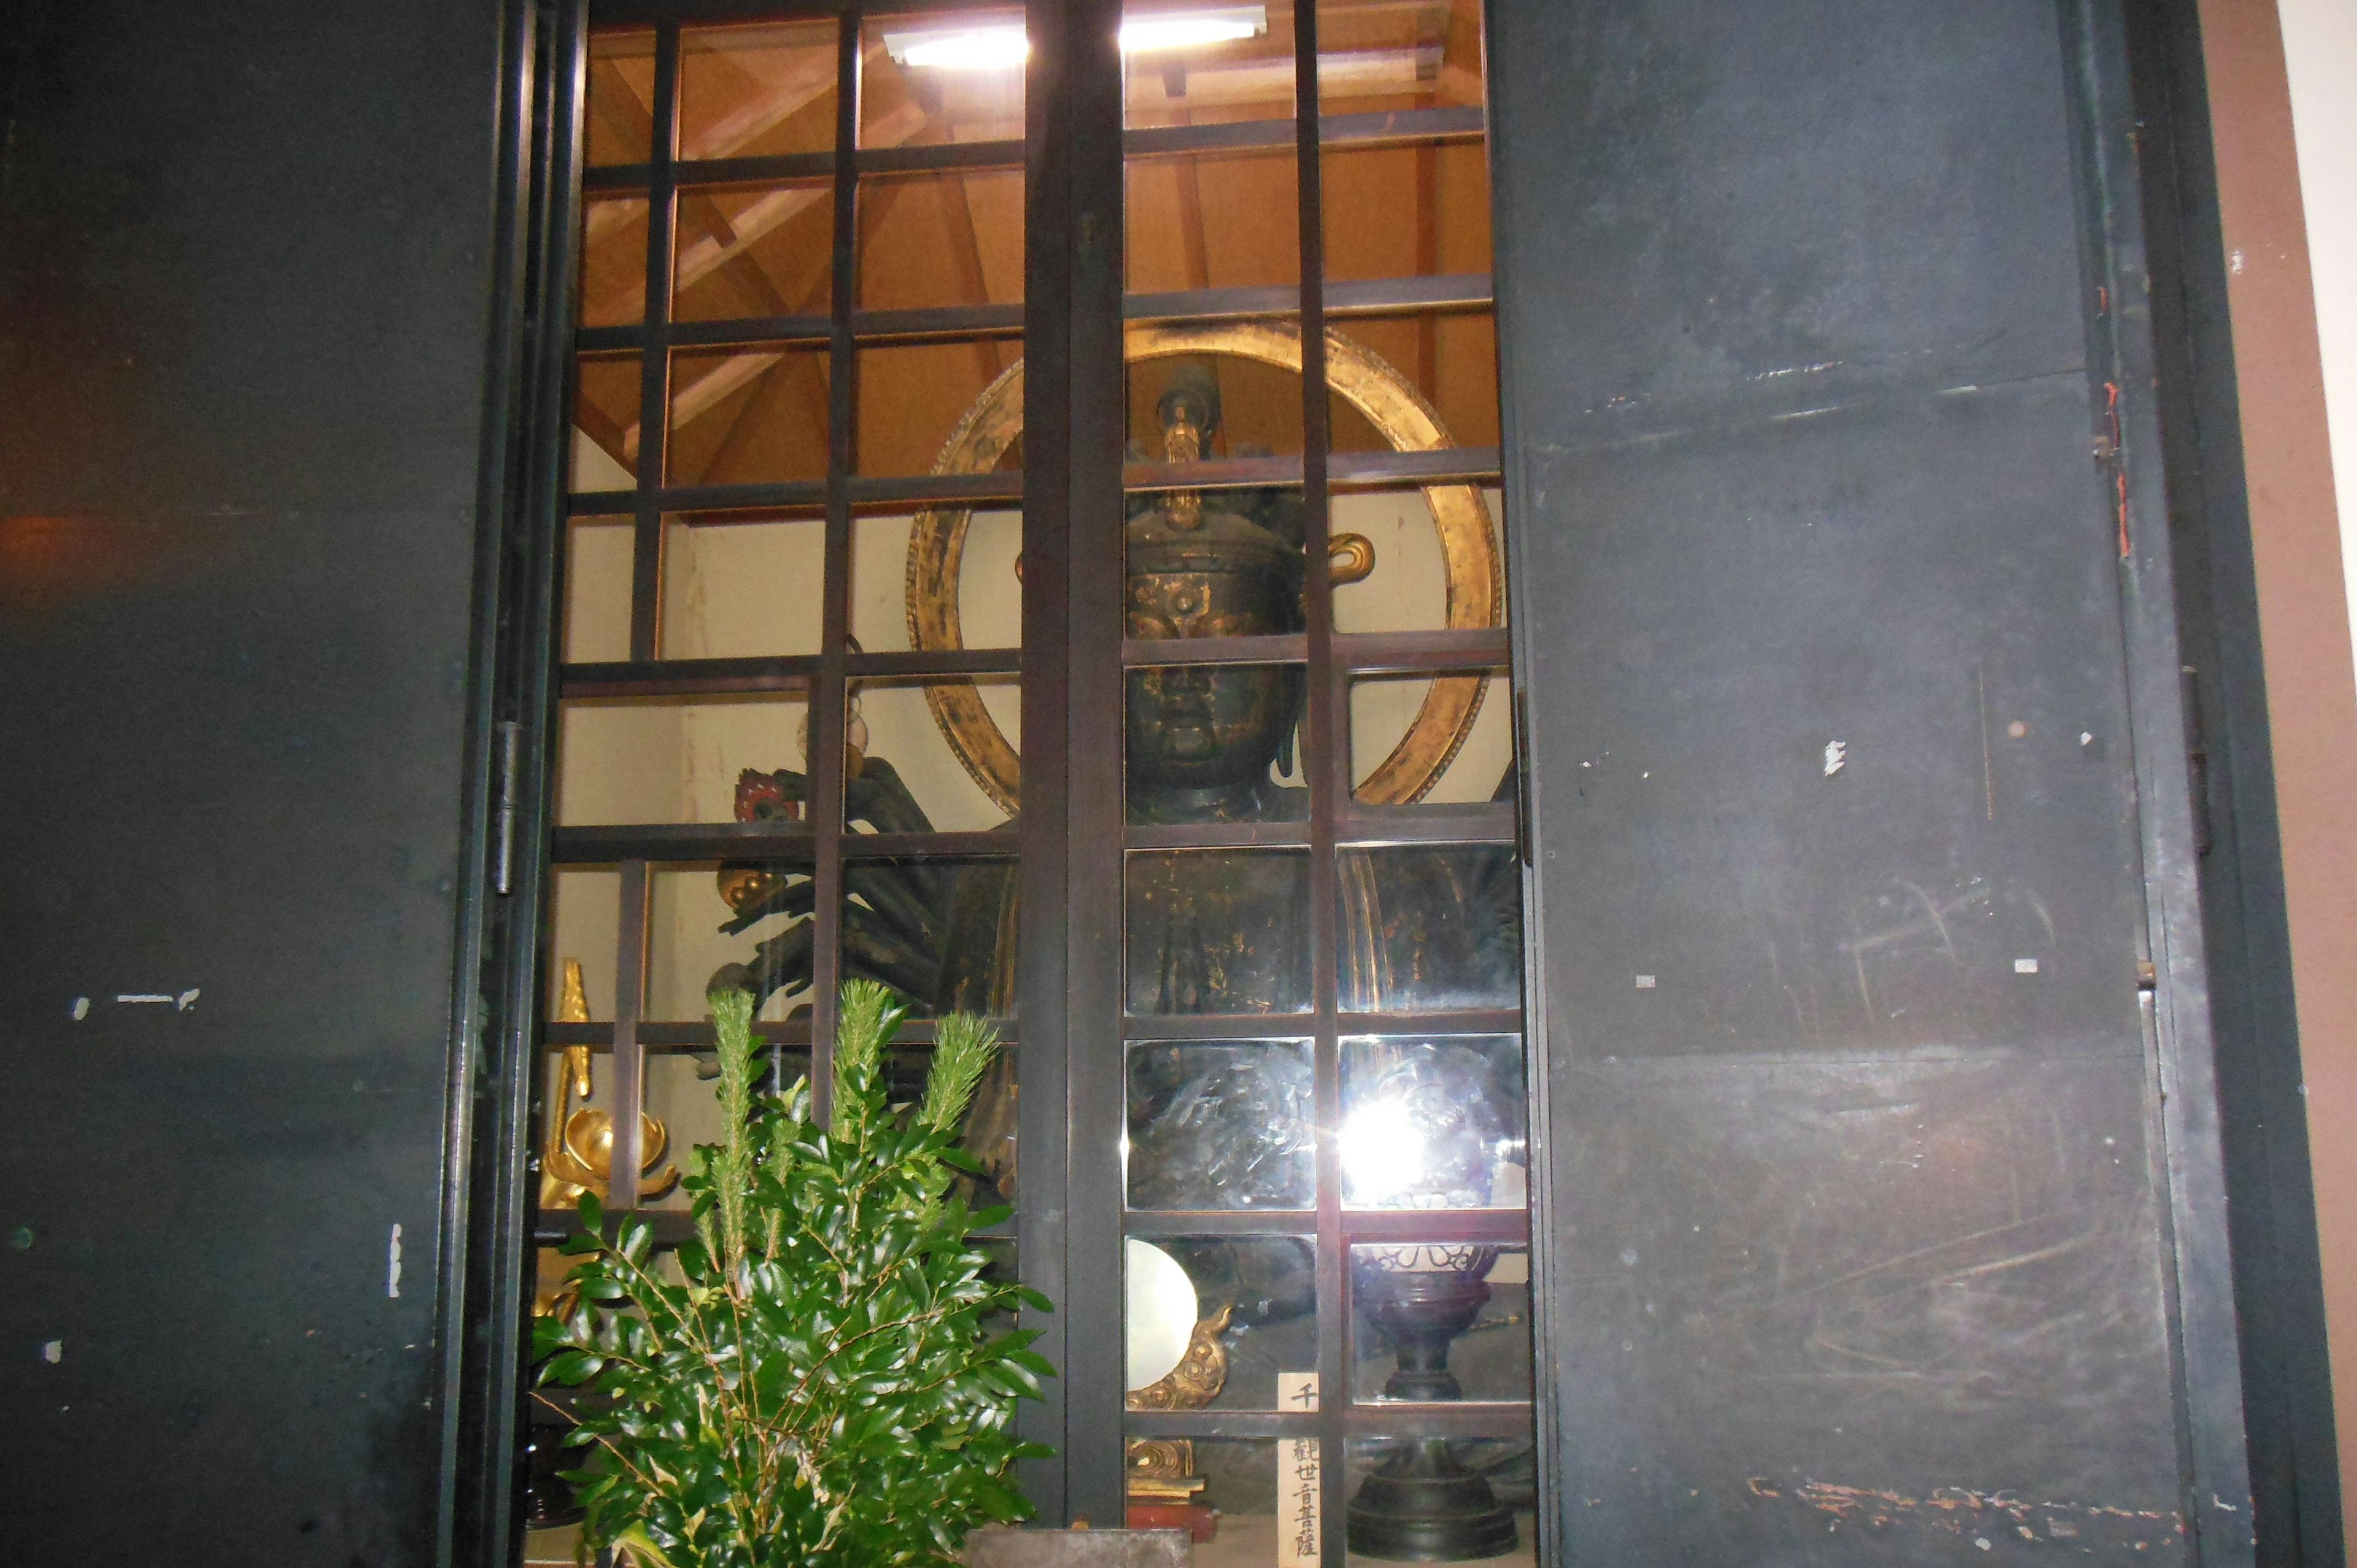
1078 1549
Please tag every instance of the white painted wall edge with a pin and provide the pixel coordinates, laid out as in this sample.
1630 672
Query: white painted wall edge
2320 57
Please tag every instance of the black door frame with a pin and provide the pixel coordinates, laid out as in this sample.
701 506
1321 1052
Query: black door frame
2218 895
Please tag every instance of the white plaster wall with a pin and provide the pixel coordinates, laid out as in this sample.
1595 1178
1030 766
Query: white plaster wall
2320 56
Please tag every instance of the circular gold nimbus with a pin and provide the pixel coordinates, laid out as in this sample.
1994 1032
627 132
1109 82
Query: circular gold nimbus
1467 544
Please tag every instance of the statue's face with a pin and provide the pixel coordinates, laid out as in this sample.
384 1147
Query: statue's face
1205 727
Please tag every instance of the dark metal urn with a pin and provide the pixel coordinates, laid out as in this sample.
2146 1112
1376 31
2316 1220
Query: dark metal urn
1421 1504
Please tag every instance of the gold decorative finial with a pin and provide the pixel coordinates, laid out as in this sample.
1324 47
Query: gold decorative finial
1182 442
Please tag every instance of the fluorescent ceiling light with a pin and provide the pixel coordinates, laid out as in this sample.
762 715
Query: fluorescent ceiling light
998 47
1158 31
1002 45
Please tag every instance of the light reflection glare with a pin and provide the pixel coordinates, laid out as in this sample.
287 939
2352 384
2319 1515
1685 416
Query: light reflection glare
1383 1151
1004 46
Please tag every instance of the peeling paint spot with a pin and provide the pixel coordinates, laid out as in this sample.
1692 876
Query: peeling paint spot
186 1000
80 1008
1961 1511
1646 981
392 1262
2025 966
2236 261
54 1351
1836 756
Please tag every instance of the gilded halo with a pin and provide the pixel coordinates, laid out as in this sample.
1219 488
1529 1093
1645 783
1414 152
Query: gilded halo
1468 547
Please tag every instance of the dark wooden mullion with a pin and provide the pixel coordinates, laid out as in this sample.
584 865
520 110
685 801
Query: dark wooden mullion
1470 1418
609 844
1362 470
1043 953
1384 827
1182 1028
788 842
827 707
931 324
1327 743
1461 291
1212 473
1363 652
909 489
1455 124
695 174
1166 1224
1356 470
1094 407
931 157
783 673
654 366
685 1034
1216 835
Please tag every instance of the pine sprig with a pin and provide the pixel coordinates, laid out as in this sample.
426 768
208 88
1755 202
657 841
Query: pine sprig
826 1379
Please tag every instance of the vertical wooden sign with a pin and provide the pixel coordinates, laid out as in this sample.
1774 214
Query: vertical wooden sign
1297 1480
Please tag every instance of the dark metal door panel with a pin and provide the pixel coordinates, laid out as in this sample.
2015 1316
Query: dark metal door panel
1856 1226
1862 1312
1846 769
245 253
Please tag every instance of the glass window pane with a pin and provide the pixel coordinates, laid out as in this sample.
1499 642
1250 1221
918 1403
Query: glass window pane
753 415
606 421
584 920
735 588
597 554
613 261
1209 742
1211 1321
1189 65
1403 730
645 760
914 398
1429 927
695 934
1435 1122
1224 1492
1211 221
1491 1483
1256 407
1398 577
918 569
941 932
1416 209
1449 358
621 119
914 738
1398 54
933 240
1218 930
947 76
759 90
755 250
1440 1321
1221 1125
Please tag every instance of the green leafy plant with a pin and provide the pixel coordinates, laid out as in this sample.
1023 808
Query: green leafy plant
825 1377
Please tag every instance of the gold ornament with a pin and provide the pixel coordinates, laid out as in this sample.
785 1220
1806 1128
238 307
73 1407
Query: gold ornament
1468 548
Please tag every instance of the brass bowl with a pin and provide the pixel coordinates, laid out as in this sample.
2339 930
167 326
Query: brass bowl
589 1139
